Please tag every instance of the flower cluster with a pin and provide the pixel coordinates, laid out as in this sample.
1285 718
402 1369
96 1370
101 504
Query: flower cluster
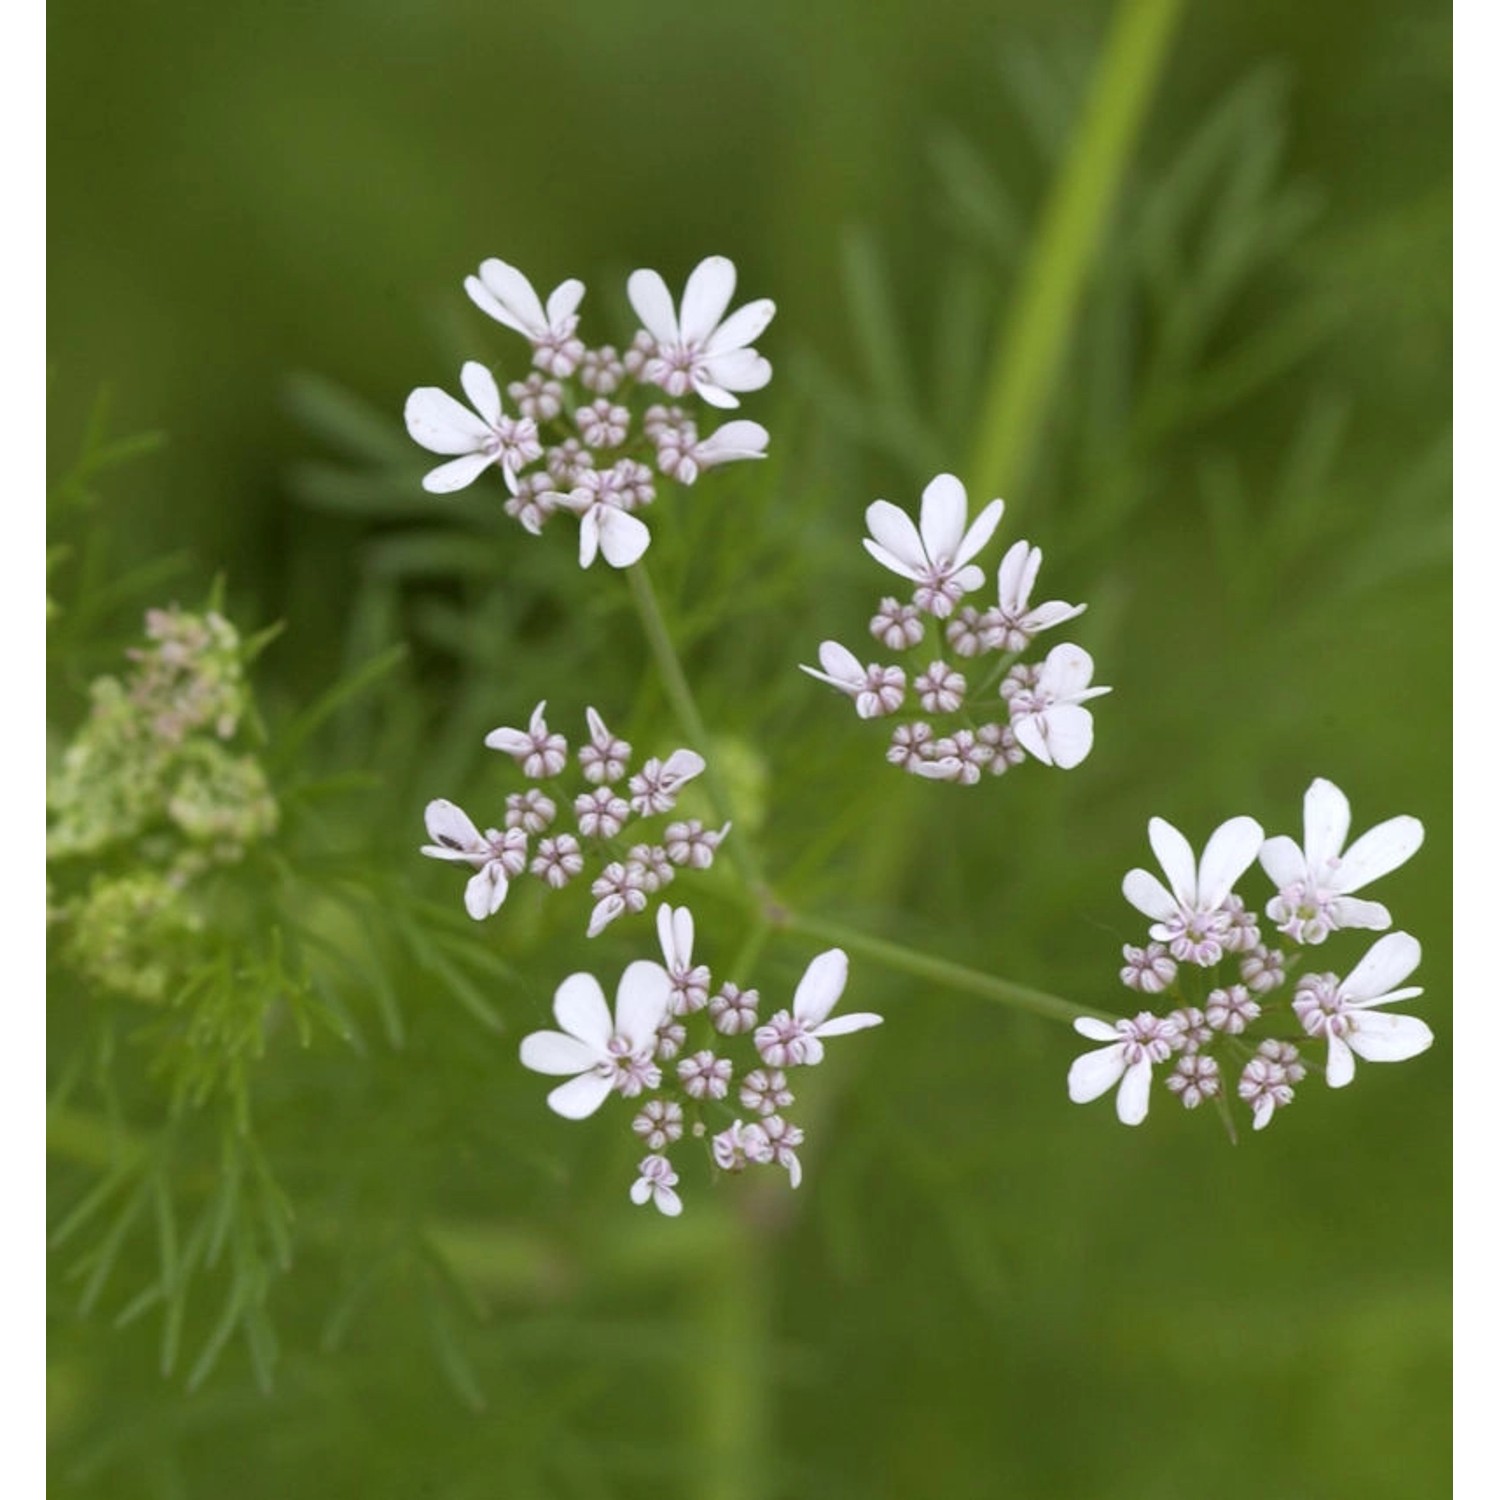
531 839
589 432
1235 1003
670 1046
978 707
155 783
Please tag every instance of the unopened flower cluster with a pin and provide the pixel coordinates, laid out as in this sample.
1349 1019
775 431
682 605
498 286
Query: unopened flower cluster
555 833
694 1059
1237 1014
962 703
151 793
592 429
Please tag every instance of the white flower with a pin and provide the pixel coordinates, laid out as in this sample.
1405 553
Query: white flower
691 844
657 1184
1011 625
876 690
741 1144
1316 883
659 1123
940 689
606 756
443 425
701 349
783 1138
1192 918
604 521
681 456
1344 1012
690 982
620 888
509 298
654 788
600 813
959 757
1048 717
601 1054
1133 1047
704 1076
937 557
538 752
494 856
794 1038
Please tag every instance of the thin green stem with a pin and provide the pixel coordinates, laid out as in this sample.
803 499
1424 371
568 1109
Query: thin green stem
685 706
1028 356
940 971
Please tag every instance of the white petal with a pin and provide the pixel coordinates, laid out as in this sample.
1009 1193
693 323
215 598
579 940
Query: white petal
1340 1070
1069 732
1378 852
945 769
582 1011
1134 1098
970 578
734 440
1379 1037
486 891
1095 1029
821 985
668 1201
579 1097
742 327
1066 671
1031 734
1230 851
705 299
642 1001
511 741
1054 612
563 302
450 826
442 424
1325 822
1095 1073
1018 570
653 305
552 1052
1282 859
612 906
516 297
1387 963
794 1169
733 370
945 508
889 560
479 386
1351 911
978 535
456 474
588 536
674 930
859 1020
1149 896
623 538
1175 856
681 766
841 664
896 535
640 1189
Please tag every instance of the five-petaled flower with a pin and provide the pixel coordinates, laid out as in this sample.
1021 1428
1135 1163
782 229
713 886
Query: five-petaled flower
443 425
1192 918
1345 1012
1133 1047
495 856
1015 619
698 348
937 557
1316 883
1048 717
600 1054
508 296
795 1038
876 690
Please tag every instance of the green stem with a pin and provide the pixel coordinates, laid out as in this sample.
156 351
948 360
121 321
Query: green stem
940 971
685 706
1027 359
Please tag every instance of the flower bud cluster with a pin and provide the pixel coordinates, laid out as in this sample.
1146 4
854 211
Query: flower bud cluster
1235 1031
691 1057
965 706
536 837
592 435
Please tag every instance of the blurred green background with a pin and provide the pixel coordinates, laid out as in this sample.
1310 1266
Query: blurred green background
260 217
